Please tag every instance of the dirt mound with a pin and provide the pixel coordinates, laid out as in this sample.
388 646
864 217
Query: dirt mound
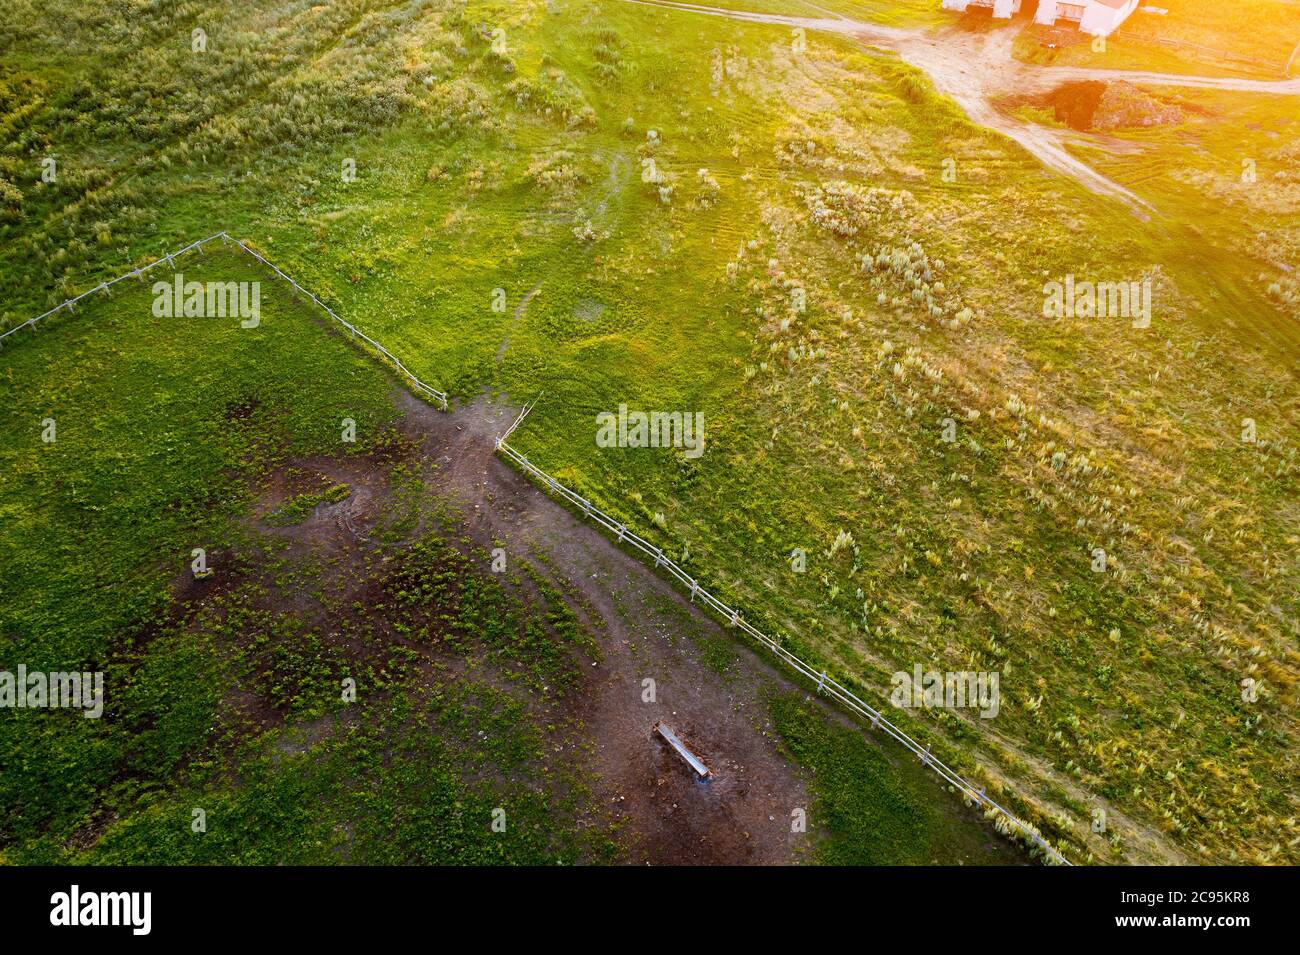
1074 104
1093 105
1125 106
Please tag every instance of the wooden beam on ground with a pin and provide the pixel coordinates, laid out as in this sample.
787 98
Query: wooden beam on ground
692 760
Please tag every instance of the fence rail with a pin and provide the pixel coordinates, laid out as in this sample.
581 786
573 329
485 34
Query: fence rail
71 303
825 683
170 259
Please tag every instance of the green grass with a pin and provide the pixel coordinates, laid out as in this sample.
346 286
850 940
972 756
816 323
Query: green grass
181 770
875 809
165 431
150 422
970 555
388 790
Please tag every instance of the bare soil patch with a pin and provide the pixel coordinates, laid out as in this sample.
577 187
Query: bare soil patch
1096 106
644 630
742 815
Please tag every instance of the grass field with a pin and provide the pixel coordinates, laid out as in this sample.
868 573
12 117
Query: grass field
224 698
649 190
225 690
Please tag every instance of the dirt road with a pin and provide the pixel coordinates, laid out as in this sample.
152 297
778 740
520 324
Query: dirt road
975 69
1059 74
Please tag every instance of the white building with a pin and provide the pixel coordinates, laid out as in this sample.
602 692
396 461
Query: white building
1097 17
1003 9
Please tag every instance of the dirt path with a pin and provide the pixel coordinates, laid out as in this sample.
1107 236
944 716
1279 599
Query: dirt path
514 320
975 69
1071 73
832 24
972 70
643 620
646 630
741 816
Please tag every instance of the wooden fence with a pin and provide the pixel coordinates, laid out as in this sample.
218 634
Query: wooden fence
825 684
